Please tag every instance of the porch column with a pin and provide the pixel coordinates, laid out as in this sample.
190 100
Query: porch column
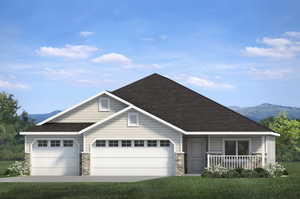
85 164
180 164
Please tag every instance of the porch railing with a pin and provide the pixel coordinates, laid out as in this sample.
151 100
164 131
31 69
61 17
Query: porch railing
235 161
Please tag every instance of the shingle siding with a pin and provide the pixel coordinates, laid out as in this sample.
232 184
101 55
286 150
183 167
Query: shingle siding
118 128
89 112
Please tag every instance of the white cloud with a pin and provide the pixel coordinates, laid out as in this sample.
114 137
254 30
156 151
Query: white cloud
63 73
155 38
69 51
292 34
276 48
275 41
204 83
112 58
10 85
269 74
86 33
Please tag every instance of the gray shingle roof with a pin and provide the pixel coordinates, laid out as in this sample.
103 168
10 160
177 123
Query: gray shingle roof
59 127
184 107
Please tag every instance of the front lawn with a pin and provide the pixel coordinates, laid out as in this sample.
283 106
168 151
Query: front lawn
172 187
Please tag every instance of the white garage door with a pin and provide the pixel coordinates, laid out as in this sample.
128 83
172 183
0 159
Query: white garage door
132 158
55 157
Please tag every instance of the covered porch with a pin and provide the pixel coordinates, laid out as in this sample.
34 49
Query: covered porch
230 151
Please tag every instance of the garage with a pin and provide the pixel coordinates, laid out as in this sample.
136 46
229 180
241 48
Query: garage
132 158
55 157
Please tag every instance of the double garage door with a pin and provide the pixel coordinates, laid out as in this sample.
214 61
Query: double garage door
132 158
55 157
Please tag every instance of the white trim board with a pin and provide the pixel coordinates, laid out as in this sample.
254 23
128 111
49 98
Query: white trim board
233 133
49 133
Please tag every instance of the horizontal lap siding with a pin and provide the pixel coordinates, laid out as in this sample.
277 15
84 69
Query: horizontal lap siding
30 138
148 128
89 112
216 143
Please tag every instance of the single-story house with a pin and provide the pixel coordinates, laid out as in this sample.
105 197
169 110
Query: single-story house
152 127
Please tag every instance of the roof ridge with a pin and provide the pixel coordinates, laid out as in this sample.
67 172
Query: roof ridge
127 85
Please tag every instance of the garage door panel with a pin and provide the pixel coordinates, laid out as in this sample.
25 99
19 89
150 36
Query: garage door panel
52 162
57 171
124 162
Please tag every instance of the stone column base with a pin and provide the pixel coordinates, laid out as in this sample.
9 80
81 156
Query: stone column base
85 164
27 162
180 164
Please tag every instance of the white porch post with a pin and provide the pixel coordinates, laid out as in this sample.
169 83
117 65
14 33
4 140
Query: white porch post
208 160
264 151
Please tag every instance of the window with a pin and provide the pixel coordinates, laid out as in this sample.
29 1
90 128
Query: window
236 147
55 143
139 143
164 143
113 143
133 119
126 143
68 143
100 143
42 143
151 143
104 104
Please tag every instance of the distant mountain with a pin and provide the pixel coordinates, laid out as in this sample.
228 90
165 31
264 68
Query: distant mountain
266 110
40 117
255 113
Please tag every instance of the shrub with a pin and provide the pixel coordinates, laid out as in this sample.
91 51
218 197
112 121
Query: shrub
232 174
262 173
276 170
17 168
239 170
248 173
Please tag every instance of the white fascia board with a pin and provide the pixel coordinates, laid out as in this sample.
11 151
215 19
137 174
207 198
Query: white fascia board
48 133
233 133
79 104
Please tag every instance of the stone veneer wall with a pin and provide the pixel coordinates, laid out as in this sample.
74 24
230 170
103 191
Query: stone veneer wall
85 164
180 164
27 161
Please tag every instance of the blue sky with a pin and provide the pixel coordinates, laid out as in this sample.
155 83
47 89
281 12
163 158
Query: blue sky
53 54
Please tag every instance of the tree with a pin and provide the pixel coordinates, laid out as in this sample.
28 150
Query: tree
11 143
288 144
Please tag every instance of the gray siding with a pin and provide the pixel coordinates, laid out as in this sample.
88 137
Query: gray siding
216 143
118 128
271 149
89 112
29 139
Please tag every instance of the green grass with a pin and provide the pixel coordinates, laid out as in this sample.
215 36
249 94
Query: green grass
3 166
171 187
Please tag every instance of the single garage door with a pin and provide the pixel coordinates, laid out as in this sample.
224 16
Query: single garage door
55 157
132 158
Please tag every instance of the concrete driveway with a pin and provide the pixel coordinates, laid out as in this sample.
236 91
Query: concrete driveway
77 178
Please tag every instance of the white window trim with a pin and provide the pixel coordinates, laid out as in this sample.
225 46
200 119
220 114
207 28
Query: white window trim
101 109
237 139
137 119
172 143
